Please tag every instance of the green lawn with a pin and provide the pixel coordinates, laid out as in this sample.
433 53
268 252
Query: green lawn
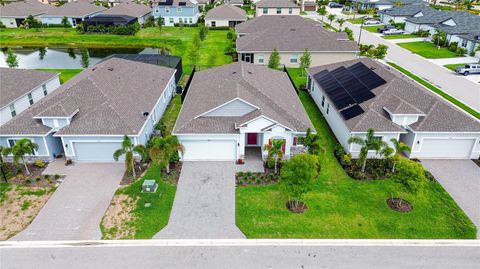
437 91
356 20
340 207
428 50
65 74
372 28
299 78
171 113
453 66
400 36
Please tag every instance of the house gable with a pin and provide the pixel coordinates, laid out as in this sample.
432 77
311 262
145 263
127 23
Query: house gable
233 108
257 124
419 14
449 22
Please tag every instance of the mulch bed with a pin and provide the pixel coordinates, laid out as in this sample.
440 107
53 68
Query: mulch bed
296 206
399 205
16 175
175 169
139 169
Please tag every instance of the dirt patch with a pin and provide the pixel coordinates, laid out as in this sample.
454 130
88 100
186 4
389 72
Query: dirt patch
296 206
16 176
399 205
140 168
119 218
19 208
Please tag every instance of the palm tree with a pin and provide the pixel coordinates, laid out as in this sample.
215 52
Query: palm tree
322 11
21 148
370 142
163 149
439 38
399 148
129 149
331 17
274 149
312 142
340 22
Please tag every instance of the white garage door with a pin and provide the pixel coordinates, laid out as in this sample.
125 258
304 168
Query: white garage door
95 151
212 150
447 148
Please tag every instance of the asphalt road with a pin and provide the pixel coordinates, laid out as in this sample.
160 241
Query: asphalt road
246 254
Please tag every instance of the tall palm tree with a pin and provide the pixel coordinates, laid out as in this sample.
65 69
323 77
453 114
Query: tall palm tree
340 22
399 148
21 148
370 142
331 17
163 149
129 149
322 11
275 149
312 142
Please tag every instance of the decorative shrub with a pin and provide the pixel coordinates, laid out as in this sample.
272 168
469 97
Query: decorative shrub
131 29
38 178
56 176
411 175
229 35
39 163
453 46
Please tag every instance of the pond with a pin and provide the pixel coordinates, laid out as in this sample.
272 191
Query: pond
65 58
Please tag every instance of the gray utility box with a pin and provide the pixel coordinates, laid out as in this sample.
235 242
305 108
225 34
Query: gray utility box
149 185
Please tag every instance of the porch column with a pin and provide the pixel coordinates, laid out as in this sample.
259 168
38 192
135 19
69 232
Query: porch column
241 148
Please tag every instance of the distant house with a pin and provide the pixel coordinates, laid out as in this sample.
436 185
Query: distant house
225 15
21 88
356 95
233 110
291 35
13 14
400 14
276 7
75 11
86 118
139 11
384 4
176 11
237 3
309 5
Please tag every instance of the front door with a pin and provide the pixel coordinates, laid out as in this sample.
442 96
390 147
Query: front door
251 139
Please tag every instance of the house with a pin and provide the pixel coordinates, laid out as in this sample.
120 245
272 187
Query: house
21 88
356 95
225 15
237 3
400 14
75 11
176 11
108 20
13 14
276 7
234 107
139 11
258 37
384 4
461 27
86 118
308 5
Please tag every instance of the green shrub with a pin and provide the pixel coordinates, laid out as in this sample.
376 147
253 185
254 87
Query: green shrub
38 178
298 173
461 51
56 176
2 25
453 46
229 35
411 175
46 176
346 159
39 163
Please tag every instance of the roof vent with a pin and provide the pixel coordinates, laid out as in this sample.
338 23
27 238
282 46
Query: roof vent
234 72
145 114
93 69
250 72
110 69
293 30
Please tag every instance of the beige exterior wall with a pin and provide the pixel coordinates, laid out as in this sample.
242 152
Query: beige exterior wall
9 22
318 58
218 23
273 11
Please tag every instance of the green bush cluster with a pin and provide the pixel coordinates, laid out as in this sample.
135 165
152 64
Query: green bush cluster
131 29
249 178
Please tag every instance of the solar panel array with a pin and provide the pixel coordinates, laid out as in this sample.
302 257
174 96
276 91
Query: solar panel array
349 87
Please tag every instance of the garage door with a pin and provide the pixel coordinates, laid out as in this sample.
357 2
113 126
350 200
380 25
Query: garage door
447 148
95 151
212 150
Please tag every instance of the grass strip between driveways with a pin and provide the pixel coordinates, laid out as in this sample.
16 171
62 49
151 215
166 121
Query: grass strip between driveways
400 36
436 90
453 66
428 50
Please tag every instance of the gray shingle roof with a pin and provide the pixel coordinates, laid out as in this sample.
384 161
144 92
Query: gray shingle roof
130 9
440 116
269 90
106 99
24 9
226 12
74 9
276 3
408 10
265 33
466 23
16 83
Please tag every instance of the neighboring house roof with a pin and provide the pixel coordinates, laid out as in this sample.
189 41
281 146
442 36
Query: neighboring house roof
289 33
235 2
226 12
110 19
109 98
276 3
465 22
401 95
391 2
184 3
16 83
74 9
408 10
129 9
270 91
24 9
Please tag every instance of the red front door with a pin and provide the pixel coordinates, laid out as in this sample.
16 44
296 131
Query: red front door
251 139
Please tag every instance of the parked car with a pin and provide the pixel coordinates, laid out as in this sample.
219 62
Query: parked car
468 69
371 22
334 5
385 28
393 32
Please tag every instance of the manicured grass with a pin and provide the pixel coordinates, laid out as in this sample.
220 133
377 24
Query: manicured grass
299 78
437 91
340 207
171 114
356 20
400 36
65 74
372 28
453 66
428 50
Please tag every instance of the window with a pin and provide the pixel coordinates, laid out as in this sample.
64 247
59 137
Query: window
179 10
45 92
293 58
180 20
190 20
377 138
323 101
279 10
11 142
290 10
328 108
464 43
214 23
171 20
261 60
265 10
12 110
30 98
167 10
55 123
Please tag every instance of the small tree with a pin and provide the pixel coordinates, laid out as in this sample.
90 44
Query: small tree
322 11
370 142
18 151
340 22
298 174
312 142
331 17
12 59
399 147
84 58
380 52
411 175
163 149
31 22
65 22
274 59
160 23
203 32
305 61
274 151
128 149
439 38
349 33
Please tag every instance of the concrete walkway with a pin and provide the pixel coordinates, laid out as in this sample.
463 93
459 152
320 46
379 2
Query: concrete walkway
457 60
461 179
204 205
75 210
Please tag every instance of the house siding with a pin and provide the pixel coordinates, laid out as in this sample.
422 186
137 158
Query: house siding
273 11
236 108
58 19
172 15
318 58
415 141
42 152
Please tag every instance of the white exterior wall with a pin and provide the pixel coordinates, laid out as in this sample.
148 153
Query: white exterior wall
217 23
235 138
235 108
22 102
273 11
354 149
404 120
142 19
318 58
411 27
9 22
185 19
397 19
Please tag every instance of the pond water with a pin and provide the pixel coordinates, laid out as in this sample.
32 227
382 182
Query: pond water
65 58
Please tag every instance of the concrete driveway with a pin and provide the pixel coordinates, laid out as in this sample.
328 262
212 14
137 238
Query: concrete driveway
461 178
75 210
204 205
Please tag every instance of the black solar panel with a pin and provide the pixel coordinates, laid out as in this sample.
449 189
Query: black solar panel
357 90
339 96
366 75
351 112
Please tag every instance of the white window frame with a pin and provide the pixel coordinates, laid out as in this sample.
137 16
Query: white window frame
265 11
328 108
44 88
13 112
167 10
190 20
261 59
179 10
294 58
171 20
278 11
323 100
30 98
35 152
290 10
